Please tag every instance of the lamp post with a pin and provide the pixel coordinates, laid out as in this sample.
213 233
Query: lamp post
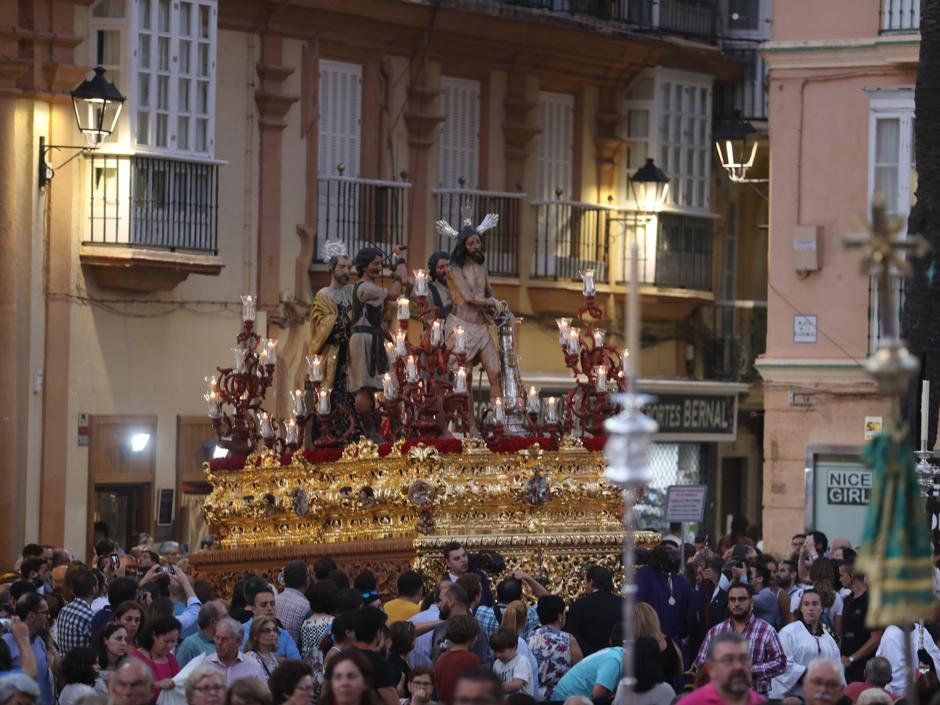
97 104
649 187
736 142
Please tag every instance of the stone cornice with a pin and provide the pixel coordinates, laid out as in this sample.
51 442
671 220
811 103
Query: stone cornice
885 50
813 371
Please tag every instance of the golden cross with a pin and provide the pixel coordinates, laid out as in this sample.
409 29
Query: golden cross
885 253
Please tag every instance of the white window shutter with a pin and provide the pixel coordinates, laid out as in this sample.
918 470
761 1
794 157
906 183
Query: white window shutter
556 145
340 102
460 133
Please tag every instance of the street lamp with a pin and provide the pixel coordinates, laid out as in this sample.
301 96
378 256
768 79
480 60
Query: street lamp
97 104
736 142
649 187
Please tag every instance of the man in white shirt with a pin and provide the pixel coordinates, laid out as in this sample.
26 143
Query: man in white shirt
892 648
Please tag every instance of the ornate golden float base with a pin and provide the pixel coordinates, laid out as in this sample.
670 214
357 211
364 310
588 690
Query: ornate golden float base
549 513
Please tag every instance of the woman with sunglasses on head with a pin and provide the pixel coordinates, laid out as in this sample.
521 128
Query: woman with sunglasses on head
803 641
262 643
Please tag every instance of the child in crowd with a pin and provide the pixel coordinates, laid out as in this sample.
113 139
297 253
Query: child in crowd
513 669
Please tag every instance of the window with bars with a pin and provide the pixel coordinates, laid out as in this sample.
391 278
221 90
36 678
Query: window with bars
460 133
556 145
161 54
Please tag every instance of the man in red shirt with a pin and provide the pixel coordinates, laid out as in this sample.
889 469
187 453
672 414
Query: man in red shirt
462 630
729 666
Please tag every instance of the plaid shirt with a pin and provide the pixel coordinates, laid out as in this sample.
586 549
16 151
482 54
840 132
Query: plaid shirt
291 609
767 657
486 616
73 625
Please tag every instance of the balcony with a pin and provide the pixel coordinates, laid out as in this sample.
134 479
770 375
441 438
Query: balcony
361 212
502 242
748 96
900 15
695 18
571 236
151 221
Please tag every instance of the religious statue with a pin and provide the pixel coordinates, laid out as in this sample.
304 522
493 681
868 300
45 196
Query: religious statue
438 293
367 357
474 306
330 318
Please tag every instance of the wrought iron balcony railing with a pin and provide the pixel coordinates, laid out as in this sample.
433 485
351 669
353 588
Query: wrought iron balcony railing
571 236
738 337
900 15
362 212
748 95
153 202
502 242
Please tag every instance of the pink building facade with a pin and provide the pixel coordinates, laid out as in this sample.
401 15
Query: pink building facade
841 108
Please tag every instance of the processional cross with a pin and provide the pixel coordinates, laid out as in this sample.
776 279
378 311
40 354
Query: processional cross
891 365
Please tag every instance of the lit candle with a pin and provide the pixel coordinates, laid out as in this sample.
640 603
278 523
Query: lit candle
532 402
421 282
316 368
323 405
563 325
599 338
499 417
574 341
404 312
626 363
271 347
600 379
924 413
587 277
215 407
248 308
390 353
400 350
267 431
411 369
239 354
436 334
300 408
290 431
460 341
387 387
551 411
263 356
212 382
461 385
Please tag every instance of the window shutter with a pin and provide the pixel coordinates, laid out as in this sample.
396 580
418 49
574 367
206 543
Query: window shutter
340 103
556 144
460 133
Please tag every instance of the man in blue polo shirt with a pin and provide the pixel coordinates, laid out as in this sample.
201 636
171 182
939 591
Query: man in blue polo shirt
260 600
33 611
595 676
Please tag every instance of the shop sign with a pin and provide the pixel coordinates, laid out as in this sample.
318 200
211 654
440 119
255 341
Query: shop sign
694 417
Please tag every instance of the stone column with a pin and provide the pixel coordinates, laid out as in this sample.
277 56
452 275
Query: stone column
519 128
421 118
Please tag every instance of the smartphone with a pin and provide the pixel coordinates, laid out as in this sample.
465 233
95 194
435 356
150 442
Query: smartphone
115 559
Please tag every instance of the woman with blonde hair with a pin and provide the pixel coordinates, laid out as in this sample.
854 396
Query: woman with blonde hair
515 617
646 623
262 642
205 685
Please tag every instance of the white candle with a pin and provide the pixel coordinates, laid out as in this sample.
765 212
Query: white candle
267 431
404 312
323 406
239 354
248 308
215 407
263 356
600 379
563 325
532 401
390 353
924 413
400 350
599 338
551 411
300 408
271 347
587 278
290 431
460 341
499 417
421 282
411 369
316 368
436 335
574 341
633 311
387 387
461 385
625 370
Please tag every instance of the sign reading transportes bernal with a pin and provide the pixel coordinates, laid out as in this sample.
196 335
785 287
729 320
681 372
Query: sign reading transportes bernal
694 417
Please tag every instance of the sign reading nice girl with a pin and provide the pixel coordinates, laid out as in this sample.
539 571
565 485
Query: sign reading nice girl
838 494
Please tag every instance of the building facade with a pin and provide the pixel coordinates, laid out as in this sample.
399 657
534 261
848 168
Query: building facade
253 132
841 114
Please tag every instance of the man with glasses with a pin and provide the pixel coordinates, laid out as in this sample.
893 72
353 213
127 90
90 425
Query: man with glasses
228 655
33 611
822 684
729 666
766 653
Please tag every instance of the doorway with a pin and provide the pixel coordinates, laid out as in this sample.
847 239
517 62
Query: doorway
733 492
126 508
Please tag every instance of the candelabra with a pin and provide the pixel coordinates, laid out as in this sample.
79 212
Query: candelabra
336 421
